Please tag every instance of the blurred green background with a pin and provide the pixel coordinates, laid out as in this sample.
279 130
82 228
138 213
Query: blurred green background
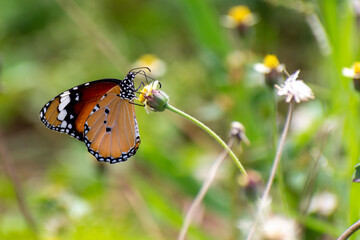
48 46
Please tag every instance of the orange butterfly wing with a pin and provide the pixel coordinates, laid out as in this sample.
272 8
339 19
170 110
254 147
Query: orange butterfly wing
68 111
111 130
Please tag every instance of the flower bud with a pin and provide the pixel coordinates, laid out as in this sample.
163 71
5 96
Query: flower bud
238 131
252 184
152 98
157 101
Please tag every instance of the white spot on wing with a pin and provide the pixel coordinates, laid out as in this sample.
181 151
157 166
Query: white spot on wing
63 124
64 94
64 102
62 115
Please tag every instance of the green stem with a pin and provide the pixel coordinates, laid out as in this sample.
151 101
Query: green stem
350 231
202 192
210 132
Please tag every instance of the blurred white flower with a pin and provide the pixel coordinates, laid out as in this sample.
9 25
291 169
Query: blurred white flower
278 227
236 59
156 65
353 72
271 63
238 17
295 89
271 69
324 204
305 116
75 206
69 207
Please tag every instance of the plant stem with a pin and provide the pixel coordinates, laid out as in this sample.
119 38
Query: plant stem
350 231
273 170
9 169
280 173
210 132
138 204
202 192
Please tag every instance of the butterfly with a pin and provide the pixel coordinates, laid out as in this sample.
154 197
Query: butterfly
101 114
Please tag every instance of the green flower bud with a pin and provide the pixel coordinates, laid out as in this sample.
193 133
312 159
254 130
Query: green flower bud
157 100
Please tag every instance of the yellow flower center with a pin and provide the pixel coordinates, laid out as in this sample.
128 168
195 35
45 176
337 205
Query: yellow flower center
147 91
142 95
357 67
148 59
272 62
240 13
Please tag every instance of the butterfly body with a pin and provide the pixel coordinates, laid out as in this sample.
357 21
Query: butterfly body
101 114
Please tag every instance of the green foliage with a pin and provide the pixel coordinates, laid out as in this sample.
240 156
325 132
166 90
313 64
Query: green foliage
45 48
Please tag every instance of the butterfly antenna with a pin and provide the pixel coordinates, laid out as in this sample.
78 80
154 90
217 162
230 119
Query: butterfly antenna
137 104
147 77
142 72
141 84
140 68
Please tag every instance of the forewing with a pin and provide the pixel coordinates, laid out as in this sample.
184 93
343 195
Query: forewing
68 111
111 131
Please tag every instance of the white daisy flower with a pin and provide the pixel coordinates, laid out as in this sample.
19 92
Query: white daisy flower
271 63
295 89
271 69
239 17
278 227
353 72
324 203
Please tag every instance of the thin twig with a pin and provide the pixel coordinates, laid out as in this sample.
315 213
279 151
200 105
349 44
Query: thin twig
202 192
280 174
313 172
94 34
350 231
270 181
140 208
210 132
9 169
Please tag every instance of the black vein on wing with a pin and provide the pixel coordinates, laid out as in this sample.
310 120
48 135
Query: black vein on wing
97 132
